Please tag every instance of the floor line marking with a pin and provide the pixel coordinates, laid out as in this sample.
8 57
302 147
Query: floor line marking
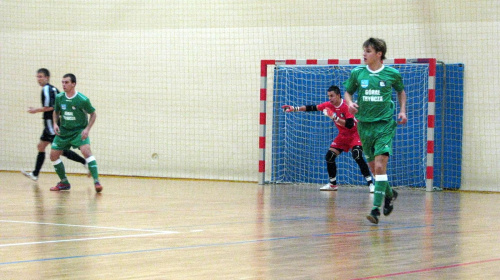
209 245
87 239
84 226
427 269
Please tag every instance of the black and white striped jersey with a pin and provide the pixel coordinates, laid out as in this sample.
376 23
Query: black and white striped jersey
49 93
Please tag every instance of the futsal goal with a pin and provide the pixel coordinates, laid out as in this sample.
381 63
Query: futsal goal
292 146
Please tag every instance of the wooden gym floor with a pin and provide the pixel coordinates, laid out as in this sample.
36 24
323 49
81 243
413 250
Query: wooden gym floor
140 228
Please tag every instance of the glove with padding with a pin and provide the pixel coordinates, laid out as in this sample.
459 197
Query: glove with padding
288 108
331 114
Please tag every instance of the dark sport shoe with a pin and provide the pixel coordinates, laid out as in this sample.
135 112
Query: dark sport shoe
373 217
98 187
389 203
61 187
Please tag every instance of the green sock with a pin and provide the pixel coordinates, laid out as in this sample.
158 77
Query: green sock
381 189
92 164
388 191
61 172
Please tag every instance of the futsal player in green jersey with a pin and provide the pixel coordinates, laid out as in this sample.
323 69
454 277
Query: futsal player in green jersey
374 110
77 117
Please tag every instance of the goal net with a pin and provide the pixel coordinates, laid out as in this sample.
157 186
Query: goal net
293 145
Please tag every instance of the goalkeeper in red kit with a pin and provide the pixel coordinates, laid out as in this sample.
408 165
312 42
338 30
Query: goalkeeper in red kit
347 139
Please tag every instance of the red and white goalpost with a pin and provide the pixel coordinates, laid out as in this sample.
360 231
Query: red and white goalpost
431 97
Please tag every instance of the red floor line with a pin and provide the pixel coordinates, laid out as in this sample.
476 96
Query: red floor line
426 269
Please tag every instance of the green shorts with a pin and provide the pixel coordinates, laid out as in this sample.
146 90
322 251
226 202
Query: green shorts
376 137
65 143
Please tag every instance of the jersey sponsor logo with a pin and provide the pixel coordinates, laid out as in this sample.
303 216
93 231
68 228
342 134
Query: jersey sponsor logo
364 83
372 95
373 98
69 116
372 92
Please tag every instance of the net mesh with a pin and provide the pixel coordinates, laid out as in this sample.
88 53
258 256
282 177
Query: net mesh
179 78
301 139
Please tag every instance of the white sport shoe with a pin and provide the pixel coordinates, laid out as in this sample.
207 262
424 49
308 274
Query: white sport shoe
372 188
329 187
30 175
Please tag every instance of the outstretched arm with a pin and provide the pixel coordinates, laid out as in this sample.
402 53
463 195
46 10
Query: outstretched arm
289 108
33 110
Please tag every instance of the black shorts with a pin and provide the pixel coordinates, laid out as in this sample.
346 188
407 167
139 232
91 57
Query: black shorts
48 133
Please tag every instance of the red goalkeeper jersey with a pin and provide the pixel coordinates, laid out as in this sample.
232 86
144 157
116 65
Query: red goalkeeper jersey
342 112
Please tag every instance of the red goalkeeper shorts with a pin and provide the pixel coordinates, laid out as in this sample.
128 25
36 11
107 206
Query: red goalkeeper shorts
345 142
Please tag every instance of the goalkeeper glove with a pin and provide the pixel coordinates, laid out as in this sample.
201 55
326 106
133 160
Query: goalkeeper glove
288 108
329 113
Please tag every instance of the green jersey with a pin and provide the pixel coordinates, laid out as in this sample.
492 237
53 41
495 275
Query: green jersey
73 113
374 92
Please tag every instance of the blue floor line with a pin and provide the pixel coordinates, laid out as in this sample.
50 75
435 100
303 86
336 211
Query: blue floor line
210 245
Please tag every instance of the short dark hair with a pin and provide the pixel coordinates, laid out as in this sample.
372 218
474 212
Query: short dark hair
44 71
71 76
377 44
335 89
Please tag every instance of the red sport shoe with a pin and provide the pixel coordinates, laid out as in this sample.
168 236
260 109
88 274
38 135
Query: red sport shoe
98 187
61 187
